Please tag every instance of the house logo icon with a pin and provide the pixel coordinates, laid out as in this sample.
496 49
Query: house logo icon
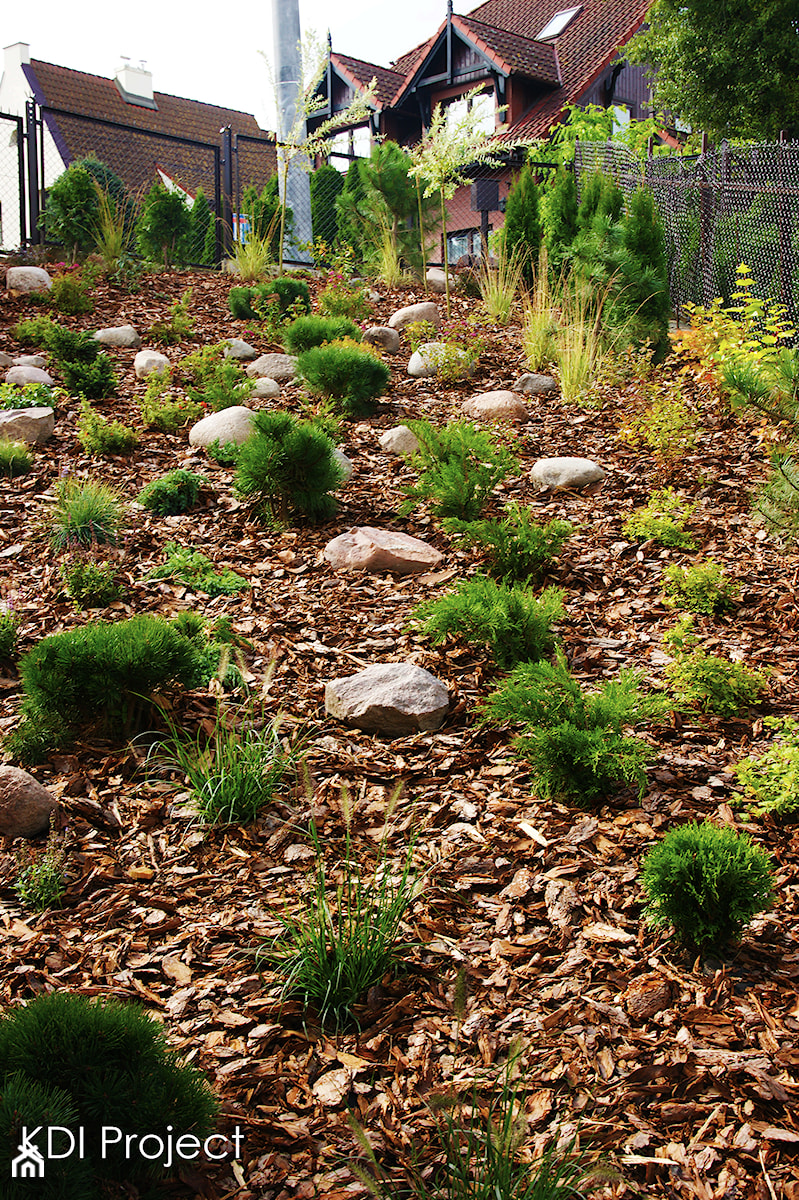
29 1163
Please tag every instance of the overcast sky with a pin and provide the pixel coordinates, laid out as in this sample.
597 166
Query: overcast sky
215 57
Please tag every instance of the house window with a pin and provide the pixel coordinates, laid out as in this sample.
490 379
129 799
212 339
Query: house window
463 241
555 26
622 115
349 144
482 107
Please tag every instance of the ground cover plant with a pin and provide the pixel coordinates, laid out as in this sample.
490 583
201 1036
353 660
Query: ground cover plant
532 916
459 467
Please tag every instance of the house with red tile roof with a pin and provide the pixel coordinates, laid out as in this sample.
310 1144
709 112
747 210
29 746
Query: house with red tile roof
531 60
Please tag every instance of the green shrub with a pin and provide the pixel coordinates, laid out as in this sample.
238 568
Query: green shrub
34 331
771 780
662 520
288 466
347 373
100 436
715 684
222 384
84 513
176 492
419 332
342 299
15 459
343 941
70 294
24 1103
777 503
517 547
164 222
41 883
216 644
198 572
164 414
226 454
707 882
113 1064
106 671
94 381
72 213
459 466
307 332
71 345
88 583
282 295
574 740
703 588
9 628
668 426
28 395
178 326
521 232
514 624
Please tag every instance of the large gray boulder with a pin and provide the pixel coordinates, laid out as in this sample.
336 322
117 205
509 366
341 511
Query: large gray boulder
392 698
21 281
31 360
426 311
378 551
25 805
234 424
282 367
566 472
23 375
384 337
124 337
149 362
496 406
400 440
533 384
31 425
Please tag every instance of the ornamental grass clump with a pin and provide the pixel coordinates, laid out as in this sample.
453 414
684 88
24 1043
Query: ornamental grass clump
662 520
459 467
85 513
703 588
307 332
573 740
517 547
15 458
706 882
510 620
348 373
770 781
94 1063
172 494
288 467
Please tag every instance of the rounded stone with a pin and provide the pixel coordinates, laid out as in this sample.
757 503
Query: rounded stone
30 360
23 375
124 337
282 367
496 406
379 551
566 472
384 337
344 462
400 440
149 362
265 388
21 281
392 698
234 424
533 384
426 311
25 804
239 349
31 425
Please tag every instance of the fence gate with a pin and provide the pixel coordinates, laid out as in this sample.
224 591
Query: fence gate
13 206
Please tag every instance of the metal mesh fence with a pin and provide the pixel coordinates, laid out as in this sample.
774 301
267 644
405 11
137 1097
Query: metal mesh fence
726 206
13 224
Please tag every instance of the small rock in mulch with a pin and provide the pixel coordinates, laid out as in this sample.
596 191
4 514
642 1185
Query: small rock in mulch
239 349
282 367
392 698
425 361
5 360
384 337
437 280
344 462
365 548
535 384
21 281
30 360
566 472
400 440
234 424
496 406
124 337
426 311
149 362
31 425
23 375
265 387
25 804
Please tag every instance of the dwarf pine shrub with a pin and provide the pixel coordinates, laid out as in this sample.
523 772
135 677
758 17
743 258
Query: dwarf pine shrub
88 582
517 547
770 781
288 467
707 882
307 332
459 467
25 1103
662 520
174 493
350 374
109 1064
515 624
703 588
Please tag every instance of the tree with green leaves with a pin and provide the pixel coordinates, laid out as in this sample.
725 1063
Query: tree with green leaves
522 230
164 223
731 71
559 207
72 213
197 241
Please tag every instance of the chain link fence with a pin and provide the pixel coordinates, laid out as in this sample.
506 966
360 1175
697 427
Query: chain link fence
13 215
726 206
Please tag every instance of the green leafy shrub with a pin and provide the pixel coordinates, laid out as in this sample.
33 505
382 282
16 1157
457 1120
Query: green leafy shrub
340 298
777 503
34 331
176 492
517 547
193 568
283 294
307 332
112 1063
510 620
41 883
178 326
28 395
288 466
459 467
72 214
703 588
100 436
662 520
345 372
89 583
419 332
9 629
771 780
573 740
706 881
216 644
160 412
163 224
342 942
84 513
70 293
715 684
15 458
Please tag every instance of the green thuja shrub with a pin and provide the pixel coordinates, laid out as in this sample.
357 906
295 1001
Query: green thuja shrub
459 467
307 332
89 583
174 493
282 295
516 547
15 458
521 233
770 781
573 740
34 331
288 467
707 882
198 572
86 370
84 513
99 436
514 624
110 1063
703 588
662 520
347 373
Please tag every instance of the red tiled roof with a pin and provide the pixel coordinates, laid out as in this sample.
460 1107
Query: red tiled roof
513 52
361 73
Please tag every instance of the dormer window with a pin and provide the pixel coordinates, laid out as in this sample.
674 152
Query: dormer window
555 27
482 107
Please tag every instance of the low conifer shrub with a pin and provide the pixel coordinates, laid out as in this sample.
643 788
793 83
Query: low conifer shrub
174 493
716 685
164 409
198 572
706 882
84 513
770 781
87 371
284 294
703 588
9 628
353 375
517 547
288 467
25 1103
89 583
99 436
459 467
662 520
307 332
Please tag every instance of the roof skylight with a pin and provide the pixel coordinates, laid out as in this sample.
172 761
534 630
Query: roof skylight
554 28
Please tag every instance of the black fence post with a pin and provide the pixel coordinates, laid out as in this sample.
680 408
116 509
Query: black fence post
227 189
33 172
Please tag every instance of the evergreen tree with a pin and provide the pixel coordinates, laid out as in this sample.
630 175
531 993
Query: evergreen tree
348 208
559 211
72 211
200 221
263 211
522 229
641 282
163 224
326 185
